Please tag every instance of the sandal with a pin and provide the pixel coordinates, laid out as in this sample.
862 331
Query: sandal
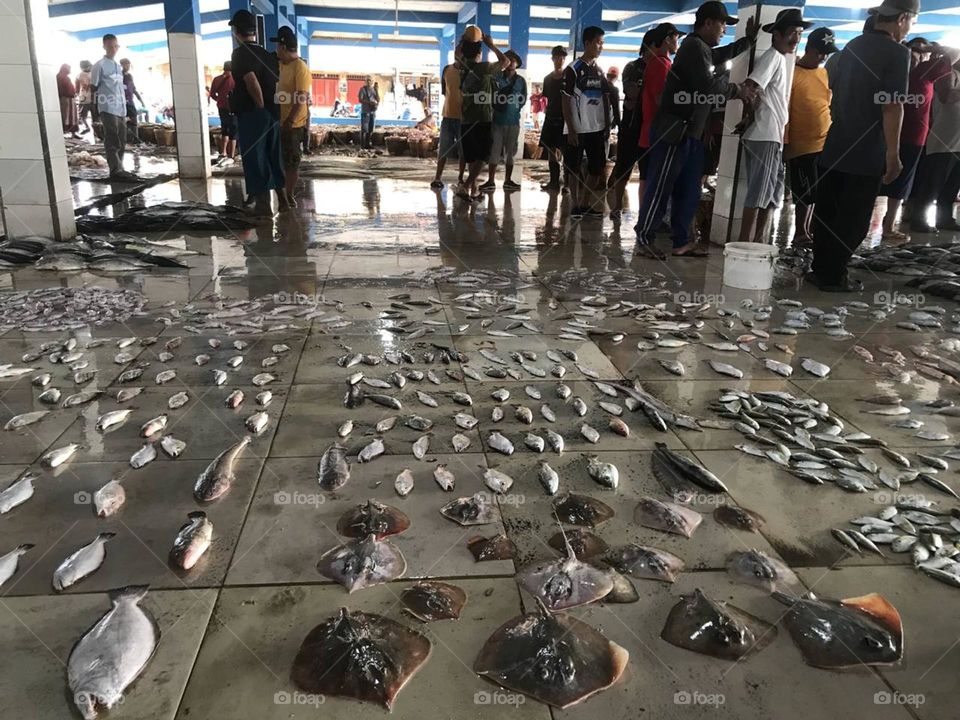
649 251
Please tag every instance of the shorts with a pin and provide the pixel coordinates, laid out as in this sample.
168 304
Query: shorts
551 133
475 141
449 138
804 175
594 145
291 147
628 142
504 141
900 188
763 161
228 123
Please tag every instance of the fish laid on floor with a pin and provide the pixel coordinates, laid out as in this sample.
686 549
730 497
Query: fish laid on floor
219 475
81 563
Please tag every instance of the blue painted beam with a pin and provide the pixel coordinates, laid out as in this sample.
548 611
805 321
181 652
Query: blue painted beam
82 7
406 16
584 13
520 28
641 21
380 27
145 26
233 7
182 16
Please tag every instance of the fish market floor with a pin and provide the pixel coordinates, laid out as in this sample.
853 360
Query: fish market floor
379 267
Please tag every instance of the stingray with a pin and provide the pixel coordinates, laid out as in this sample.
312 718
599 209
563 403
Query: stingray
738 518
361 563
476 510
843 633
581 510
433 600
566 582
647 563
667 516
359 655
555 659
496 547
584 543
624 591
372 518
717 629
756 568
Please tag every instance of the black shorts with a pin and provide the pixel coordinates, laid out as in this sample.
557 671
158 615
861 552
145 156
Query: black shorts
475 141
594 145
228 123
551 133
628 139
804 174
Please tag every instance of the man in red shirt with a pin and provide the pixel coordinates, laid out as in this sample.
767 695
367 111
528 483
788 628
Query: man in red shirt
665 39
220 90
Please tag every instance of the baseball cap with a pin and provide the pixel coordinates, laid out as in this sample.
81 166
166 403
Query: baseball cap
715 10
286 37
662 31
823 41
895 7
244 21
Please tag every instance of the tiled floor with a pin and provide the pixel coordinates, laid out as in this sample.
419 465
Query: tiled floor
232 625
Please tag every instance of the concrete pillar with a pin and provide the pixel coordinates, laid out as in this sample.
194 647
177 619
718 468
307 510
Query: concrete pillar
731 182
520 28
238 5
186 73
286 15
446 47
34 180
271 21
303 38
484 21
583 14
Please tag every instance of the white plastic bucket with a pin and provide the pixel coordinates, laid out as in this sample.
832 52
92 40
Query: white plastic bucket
749 266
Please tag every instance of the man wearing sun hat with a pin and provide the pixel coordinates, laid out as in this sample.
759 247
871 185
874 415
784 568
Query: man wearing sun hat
765 123
862 150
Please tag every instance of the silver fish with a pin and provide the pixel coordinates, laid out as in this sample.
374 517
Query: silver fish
548 478
778 367
257 422
497 481
81 562
534 442
815 368
172 446
178 401
554 440
725 369
108 499
589 433
115 418
25 419
165 376
421 446
371 451
219 377
672 366
153 426
333 470
50 396
444 477
500 443
192 540
404 483
264 398
262 379
460 442
234 399
10 562
57 457
604 473
219 475
146 454
17 493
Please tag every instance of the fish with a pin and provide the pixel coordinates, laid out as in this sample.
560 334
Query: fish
497 481
564 660
584 543
534 442
432 600
81 563
192 540
219 475
359 655
549 478
501 444
667 516
172 446
262 379
496 547
264 397
371 451
50 396
778 367
738 518
153 426
219 377
565 583
165 376
257 422
581 510
81 398
178 401
333 470
475 510
460 442
10 562
815 368
57 457
646 563
444 478
372 518
421 446
686 469
756 568
112 419
108 499
113 653
25 419
16 493
418 423
362 563
589 433
603 473
146 454
725 369
864 630
706 626
672 366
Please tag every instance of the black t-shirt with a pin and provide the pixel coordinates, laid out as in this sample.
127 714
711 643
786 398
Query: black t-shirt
250 57
553 91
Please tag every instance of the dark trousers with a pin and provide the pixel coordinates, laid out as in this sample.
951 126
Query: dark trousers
258 134
938 180
841 220
628 145
367 123
675 174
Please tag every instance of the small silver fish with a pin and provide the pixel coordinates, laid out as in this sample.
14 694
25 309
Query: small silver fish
257 422
178 401
146 454
56 458
497 481
25 419
444 477
815 368
172 446
421 446
500 443
108 499
589 433
153 426
81 563
371 451
404 483
548 478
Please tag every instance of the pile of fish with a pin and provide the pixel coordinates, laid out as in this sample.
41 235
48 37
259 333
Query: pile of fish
170 216
89 253
927 261
60 309
84 159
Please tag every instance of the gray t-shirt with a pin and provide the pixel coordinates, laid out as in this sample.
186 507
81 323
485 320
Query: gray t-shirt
872 70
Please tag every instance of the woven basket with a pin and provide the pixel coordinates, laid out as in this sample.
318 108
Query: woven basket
147 133
396 145
166 137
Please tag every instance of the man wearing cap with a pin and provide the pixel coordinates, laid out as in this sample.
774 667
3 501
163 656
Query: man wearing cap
862 150
807 129
220 90
677 160
369 100
509 96
293 93
551 136
765 123
254 102
929 63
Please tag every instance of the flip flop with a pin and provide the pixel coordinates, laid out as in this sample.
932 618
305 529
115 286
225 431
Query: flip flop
649 251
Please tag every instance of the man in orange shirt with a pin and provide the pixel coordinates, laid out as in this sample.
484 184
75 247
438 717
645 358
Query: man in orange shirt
807 130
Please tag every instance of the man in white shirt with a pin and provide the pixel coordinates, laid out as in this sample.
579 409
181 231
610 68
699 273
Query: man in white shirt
765 123
106 78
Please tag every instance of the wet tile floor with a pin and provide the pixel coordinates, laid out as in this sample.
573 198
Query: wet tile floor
232 625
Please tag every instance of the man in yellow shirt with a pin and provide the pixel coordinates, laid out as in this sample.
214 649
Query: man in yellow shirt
807 130
293 97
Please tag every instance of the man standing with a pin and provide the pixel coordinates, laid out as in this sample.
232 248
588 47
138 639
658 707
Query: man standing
85 94
807 129
586 118
863 146
129 93
293 92
254 102
538 103
678 154
551 137
369 100
940 171
450 124
765 124
106 78
220 89
509 96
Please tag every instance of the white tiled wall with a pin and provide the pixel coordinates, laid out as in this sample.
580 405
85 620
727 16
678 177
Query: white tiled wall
31 205
186 71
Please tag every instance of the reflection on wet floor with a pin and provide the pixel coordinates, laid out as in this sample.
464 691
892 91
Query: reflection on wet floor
365 271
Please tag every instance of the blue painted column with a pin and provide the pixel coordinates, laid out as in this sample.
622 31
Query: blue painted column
303 38
446 46
583 14
520 28
271 21
236 5
484 20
